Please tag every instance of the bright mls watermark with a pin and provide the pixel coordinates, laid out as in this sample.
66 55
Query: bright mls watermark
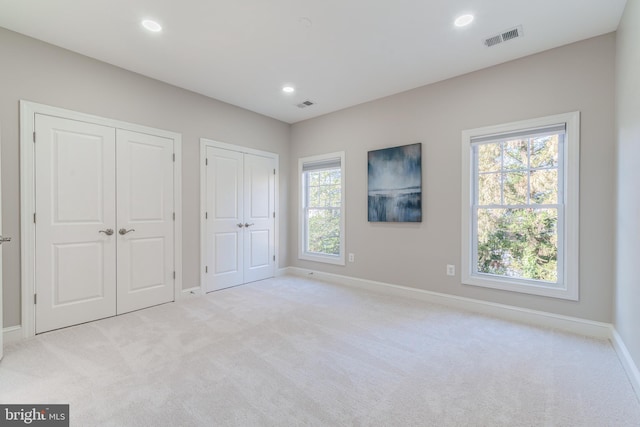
34 415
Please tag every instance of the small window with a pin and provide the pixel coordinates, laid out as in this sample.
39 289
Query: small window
322 208
520 206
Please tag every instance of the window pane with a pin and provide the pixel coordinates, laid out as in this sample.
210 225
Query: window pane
489 157
314 178
324 188
519 243
323 231
323 199
326 177
334 176
333 195
489 189
327 196
515 154
544 186
516 187
313 196
544 151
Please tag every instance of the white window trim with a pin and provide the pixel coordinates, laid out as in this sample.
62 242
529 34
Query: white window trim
569 283
302 254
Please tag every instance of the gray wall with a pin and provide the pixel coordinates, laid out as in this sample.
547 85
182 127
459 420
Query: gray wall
627 301
42 73
575 77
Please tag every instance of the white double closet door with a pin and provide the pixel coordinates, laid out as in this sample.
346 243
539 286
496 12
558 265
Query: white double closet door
240 218
104 221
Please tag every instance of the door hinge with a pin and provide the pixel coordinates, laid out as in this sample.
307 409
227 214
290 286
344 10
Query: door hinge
174 157
174 275
274 257
206 215
35 299
274 171
206 162
34 137
206 268
274 214
174 216
34 217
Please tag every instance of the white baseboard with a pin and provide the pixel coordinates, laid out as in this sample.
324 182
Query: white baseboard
282 271
12 334
627 361
533 317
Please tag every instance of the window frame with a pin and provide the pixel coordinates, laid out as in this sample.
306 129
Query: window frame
568 231
302 220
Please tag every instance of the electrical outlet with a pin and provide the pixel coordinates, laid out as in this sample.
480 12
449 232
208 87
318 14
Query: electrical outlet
451 270
352 257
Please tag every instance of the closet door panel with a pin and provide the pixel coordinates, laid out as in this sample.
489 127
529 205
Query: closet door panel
259 201
145 220
224 219
75 198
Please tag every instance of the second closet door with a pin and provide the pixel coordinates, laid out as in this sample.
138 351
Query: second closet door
239 235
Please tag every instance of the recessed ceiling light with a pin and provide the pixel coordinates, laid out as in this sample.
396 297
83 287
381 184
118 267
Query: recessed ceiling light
288 89
463 20
151 25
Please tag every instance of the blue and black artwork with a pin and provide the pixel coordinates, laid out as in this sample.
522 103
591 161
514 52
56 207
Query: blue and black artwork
395 184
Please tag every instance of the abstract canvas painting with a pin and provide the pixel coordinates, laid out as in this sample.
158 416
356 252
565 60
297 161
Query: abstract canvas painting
395 184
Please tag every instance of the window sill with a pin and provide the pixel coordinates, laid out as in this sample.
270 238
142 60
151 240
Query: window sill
326 259
532 288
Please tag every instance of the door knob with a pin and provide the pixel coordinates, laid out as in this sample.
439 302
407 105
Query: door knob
124 231
108 231
4 239
240 225
248 225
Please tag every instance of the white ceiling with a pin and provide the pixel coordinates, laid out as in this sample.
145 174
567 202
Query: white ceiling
337 53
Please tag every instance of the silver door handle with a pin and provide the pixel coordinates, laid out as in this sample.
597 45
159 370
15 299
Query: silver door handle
124 231
248 225
4 239
108 231
240 225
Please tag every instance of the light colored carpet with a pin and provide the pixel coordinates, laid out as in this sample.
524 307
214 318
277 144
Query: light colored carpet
296 352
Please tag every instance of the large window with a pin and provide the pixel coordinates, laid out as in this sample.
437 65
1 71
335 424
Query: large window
520 206
322 209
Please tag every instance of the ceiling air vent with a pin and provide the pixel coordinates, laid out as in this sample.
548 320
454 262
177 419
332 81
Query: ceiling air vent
305 104
505 36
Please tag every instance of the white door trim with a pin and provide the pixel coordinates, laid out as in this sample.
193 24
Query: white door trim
204 143
28 110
